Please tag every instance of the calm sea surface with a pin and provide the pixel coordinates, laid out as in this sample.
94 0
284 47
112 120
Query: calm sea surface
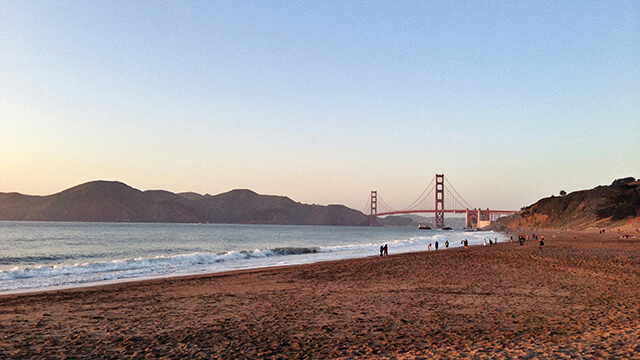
39 255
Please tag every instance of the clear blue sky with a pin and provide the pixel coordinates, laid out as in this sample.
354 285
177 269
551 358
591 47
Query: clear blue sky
321 101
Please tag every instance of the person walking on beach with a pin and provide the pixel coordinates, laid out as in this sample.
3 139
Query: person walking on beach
386 250
446 244
436 246
541 242
381 250
466 243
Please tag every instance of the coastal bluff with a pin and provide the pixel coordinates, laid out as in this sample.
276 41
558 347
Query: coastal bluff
606 206
112 201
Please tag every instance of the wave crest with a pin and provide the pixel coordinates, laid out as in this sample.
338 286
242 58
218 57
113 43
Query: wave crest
158 262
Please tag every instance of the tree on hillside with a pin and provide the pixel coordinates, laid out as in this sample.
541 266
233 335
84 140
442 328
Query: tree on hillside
623 203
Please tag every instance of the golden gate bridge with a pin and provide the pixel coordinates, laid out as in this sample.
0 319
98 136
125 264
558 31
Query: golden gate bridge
474 217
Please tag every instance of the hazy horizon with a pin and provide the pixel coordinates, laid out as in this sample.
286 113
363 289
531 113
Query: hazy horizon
321 102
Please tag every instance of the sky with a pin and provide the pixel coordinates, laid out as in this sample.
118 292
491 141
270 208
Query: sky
321 101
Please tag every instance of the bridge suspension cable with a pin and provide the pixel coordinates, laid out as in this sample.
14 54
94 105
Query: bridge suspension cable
385 204
427 191
421 199
366 207
458 196
453 202
439 189
453 198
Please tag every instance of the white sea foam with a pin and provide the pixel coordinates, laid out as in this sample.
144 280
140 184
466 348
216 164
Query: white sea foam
155 263
61 274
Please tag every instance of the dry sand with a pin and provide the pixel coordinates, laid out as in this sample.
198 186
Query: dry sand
579 297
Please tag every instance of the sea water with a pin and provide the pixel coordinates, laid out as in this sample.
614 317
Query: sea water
46 255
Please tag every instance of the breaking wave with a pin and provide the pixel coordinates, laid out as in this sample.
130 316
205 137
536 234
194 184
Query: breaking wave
40 273
152 264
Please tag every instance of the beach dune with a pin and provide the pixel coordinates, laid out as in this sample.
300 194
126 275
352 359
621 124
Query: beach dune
578 297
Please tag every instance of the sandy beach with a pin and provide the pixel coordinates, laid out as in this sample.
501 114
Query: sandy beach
578 297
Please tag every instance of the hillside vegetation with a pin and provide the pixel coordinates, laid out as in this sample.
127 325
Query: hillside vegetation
110 201
616 205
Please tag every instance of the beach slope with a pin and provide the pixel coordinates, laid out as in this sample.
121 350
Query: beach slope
578 297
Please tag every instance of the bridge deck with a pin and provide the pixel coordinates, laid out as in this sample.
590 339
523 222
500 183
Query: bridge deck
450 211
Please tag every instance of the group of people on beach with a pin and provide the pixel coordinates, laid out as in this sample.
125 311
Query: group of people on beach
446 245
623 235
491 242
522 239
384 250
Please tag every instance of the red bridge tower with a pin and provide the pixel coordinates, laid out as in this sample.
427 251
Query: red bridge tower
439 213
373 220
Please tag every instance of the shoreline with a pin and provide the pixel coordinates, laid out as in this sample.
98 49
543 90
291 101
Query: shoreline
92 286
178 276
114 282
181 276
187 271
573 298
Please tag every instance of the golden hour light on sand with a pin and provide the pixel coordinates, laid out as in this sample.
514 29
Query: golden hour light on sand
319 180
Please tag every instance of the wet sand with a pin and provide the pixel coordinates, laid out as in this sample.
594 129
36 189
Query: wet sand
578 297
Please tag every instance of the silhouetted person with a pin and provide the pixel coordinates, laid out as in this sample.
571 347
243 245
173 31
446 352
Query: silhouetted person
381 250
446 244
466 243
386 249
436 246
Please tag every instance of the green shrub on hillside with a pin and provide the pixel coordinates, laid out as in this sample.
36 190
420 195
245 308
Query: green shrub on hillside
623 203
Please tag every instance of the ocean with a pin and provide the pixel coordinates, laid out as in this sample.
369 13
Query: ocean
50 255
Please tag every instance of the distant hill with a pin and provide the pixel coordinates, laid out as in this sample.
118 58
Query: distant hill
601 207
110 201
416 220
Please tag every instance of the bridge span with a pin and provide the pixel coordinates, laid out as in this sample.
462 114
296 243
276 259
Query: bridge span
474 218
